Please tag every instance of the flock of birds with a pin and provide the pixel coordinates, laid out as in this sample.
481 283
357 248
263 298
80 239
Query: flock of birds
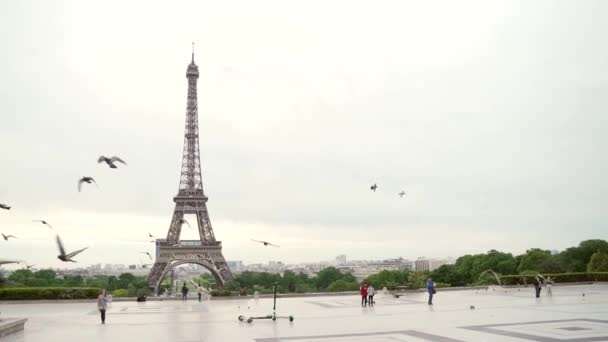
111 162
63 255
374 187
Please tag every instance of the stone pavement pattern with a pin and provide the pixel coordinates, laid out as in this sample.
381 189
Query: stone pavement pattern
499 315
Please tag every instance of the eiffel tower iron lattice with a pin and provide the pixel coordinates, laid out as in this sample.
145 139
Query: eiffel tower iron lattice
207 252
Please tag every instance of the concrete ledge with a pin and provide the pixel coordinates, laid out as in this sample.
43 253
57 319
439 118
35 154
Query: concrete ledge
11 325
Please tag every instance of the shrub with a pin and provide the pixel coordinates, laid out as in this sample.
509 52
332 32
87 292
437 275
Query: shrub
33 293
221 293
120 293
342 285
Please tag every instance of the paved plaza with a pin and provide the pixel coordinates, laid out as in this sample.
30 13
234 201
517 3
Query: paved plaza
499 315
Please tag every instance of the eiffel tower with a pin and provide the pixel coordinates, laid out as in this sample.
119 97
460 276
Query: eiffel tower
207 252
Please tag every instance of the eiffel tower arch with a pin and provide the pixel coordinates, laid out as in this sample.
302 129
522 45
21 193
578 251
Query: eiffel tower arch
190 200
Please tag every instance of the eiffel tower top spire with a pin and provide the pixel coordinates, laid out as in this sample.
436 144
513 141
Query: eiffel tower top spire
191 183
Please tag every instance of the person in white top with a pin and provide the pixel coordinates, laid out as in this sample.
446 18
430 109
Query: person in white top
102 305
370 295
199 291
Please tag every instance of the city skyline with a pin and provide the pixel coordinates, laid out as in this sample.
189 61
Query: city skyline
492 124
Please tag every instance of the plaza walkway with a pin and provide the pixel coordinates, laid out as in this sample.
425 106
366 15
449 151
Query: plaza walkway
499 315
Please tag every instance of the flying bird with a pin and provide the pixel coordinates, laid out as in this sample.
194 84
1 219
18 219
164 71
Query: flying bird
266 243
402 193
43 222
374 187
30 266
110 161
149 256
87 180
66 257
6 237
182 221
150 235
4 262
5 207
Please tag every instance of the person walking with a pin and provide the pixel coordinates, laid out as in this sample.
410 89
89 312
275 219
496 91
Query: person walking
371 291
199 291
102 305
184 292
363 295
430 287
537 286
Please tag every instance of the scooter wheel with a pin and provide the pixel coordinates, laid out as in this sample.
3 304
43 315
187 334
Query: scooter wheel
249 320
291 318
241 318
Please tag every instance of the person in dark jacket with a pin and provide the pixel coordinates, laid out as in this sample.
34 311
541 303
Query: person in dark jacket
430 287
537 286
184 292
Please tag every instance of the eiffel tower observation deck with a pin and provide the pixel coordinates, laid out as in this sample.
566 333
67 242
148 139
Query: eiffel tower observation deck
190 200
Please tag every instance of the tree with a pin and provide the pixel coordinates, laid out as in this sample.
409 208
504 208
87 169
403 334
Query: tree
343 285
331 274
538 260
598 262
388 279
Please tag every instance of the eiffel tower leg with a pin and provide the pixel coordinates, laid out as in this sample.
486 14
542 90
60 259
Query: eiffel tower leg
155 275
204 224
175 229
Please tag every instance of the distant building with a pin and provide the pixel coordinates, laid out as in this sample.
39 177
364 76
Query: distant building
341 260
423 264
235 266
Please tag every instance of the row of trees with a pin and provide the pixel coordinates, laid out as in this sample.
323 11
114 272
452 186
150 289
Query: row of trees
588 256
129 284
329 279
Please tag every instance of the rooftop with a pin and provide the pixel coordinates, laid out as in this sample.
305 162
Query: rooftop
499 315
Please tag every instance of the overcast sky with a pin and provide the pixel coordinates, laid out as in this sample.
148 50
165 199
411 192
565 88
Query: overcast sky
490 114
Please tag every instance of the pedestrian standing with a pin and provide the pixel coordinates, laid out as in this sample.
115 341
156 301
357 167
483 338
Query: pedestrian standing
199 291
184 292
363 295
430 287
549 285
537 286
371 291
102 305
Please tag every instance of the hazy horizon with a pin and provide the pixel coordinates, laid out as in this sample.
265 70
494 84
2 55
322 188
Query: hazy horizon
490 115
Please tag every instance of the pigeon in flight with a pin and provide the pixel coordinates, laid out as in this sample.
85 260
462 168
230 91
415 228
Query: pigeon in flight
29 267
4 262
266 243
110 161
402 193
5 207
150 235
182 221
87 180
6 237
149 256
374 187
44 222
67 257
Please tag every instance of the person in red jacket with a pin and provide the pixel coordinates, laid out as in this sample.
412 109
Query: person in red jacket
363 295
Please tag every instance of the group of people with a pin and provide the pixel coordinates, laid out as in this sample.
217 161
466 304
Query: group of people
200 291
367 295
538 286
368 292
